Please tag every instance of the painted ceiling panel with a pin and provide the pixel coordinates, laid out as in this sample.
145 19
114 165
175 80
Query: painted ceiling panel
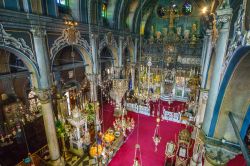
180 19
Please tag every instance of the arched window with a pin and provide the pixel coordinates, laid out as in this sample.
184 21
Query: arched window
63 7
63 2
104 10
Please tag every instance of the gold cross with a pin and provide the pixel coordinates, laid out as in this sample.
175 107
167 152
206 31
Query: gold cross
171 15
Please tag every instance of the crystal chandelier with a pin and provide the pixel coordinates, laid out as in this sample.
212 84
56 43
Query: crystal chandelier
124 124
117 93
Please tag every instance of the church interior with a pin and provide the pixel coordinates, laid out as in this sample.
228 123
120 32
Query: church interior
124 82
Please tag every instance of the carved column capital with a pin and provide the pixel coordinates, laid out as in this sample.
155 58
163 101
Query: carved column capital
93 77
38 31
223 16
93 36
44 95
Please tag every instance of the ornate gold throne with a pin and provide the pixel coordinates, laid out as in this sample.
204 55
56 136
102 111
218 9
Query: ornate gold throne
183 145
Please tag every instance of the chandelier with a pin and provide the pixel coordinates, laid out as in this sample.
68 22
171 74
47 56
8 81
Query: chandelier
123 124
120 86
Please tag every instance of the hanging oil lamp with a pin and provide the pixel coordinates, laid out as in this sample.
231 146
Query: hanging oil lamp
156 137
137 157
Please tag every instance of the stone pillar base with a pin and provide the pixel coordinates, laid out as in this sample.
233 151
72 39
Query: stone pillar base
58 162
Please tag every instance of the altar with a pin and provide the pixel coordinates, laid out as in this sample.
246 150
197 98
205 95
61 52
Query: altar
134 107
171 116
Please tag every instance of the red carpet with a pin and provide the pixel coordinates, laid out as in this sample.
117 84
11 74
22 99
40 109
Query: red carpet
124 157
238 160
175 106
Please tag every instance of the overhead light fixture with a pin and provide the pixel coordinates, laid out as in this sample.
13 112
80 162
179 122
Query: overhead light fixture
204 10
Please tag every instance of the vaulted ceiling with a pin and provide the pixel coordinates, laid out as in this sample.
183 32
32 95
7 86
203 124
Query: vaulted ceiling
134 15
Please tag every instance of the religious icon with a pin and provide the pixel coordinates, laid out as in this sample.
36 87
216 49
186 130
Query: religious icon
178 29
186 34
182 152
194 28
170 147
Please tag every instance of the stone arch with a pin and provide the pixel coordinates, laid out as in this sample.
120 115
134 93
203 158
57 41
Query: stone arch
84 54
110 43
20 49
28 63
233 96
78 42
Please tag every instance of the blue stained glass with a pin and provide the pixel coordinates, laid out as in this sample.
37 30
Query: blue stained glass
186 8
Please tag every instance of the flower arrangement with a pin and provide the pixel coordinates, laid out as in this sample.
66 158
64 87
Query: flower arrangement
90 111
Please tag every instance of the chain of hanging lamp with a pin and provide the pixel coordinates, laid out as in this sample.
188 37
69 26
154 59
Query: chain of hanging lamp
137 156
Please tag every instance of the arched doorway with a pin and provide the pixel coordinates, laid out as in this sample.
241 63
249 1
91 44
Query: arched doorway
233 96
19 114
106 62
107 72
69 72
126 63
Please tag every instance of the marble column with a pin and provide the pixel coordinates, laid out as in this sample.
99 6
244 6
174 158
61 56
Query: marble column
120 51
223 20
93 78
133 75
135 50
204 48
93 39
49 123
207 57
44 92
202 106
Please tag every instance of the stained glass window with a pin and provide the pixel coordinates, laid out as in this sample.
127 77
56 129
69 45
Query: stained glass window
62 2
187 8
104 10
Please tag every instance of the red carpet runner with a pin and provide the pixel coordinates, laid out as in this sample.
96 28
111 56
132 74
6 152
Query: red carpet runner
124 157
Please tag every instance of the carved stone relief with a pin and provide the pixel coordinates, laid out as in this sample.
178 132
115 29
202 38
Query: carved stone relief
240 38
108 41
70 36
19 44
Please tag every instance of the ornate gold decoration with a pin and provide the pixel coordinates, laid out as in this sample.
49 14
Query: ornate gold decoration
172 15
185 135
69 36
72 35
95 150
